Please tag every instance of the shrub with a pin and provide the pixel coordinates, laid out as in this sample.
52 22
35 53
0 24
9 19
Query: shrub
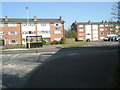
63 40
44 42
55 42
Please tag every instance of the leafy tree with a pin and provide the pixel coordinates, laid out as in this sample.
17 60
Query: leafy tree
70 34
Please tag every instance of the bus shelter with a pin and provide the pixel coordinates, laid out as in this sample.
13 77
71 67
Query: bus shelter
34 41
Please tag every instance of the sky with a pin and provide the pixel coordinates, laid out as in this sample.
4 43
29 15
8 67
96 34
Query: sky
70 11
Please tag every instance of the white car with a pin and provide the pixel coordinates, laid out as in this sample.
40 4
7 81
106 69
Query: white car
105 38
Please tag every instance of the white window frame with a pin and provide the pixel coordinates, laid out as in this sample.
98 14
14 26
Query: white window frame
10 41
57 32
101 25
12 24
101 37
57 39
2 33
1 25
101 29
44 32
81 34
43 24
81 38
102 34
12 34
81 30
80 25
59 24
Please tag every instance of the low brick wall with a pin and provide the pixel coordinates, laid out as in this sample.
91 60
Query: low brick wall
70 40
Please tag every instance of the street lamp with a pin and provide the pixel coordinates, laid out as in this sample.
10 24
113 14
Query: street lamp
27 25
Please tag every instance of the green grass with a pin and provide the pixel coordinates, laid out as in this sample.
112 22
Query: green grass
11 47
71 44
76 44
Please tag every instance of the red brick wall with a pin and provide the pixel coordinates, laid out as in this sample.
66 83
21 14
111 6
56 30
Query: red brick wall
52 29
8 37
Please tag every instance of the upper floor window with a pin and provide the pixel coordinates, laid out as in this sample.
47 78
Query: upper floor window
12 33
57 32
101 29
106 25
81 30
80 25
2 33
101 25
12 24
1 25
44 32
43 24
81 34
102 33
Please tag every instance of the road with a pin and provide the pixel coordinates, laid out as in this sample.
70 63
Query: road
77 68
19 65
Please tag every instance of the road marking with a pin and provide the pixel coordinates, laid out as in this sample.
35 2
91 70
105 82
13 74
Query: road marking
73 54
15 56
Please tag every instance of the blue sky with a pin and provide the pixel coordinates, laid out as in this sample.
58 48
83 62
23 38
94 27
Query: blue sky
70 11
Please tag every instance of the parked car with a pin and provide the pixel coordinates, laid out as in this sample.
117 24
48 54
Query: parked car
117 38
105 38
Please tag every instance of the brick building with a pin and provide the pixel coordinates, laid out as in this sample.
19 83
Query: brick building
94 30
14 30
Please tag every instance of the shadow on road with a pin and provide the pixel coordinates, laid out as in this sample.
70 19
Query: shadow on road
88 67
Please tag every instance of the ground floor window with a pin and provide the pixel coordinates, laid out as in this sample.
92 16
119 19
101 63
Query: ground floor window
57 39
13 41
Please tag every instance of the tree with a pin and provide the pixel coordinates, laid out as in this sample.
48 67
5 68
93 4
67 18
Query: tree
116 11
116 16
70 34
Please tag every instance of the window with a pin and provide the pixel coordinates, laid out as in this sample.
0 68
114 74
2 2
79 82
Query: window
2 33
101 25
80 25
13 41
111 29
102 33
81 30
43 24
57 39
43 32
101 29
106 25
101 37
57 24
12 24
31 32
12 33
1 25
81 38
57 32
95 29
81 34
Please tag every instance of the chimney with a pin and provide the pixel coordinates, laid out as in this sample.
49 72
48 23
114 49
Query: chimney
60 18
89 22
35 18
105 21
6 19
102 21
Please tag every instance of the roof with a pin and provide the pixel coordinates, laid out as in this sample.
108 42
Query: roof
83 23
19 20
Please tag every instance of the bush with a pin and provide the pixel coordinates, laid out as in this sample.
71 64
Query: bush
63 40
55 42
44 42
